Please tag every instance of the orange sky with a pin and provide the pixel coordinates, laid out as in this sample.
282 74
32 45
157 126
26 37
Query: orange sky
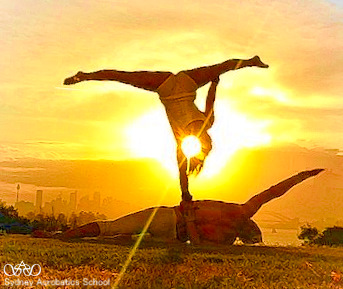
297 100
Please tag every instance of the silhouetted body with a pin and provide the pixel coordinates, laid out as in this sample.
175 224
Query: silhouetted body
198 221
177 92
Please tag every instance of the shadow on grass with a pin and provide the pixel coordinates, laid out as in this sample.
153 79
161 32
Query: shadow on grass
203 248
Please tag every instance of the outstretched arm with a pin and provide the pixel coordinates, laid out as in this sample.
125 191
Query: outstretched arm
256 202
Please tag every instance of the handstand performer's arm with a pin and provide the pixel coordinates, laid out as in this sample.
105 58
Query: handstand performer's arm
211 97
182 164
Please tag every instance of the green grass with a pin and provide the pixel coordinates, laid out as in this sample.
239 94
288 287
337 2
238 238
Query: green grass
179 265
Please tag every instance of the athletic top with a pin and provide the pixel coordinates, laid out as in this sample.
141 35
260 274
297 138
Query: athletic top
177 93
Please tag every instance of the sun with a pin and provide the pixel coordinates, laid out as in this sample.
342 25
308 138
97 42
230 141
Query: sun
150 136
191 146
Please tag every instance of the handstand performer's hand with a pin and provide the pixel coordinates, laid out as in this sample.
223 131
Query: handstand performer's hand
257 62
80 76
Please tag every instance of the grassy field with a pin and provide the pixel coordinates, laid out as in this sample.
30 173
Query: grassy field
172 265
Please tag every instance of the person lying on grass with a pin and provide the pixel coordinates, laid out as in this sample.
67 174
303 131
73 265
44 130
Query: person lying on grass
197 221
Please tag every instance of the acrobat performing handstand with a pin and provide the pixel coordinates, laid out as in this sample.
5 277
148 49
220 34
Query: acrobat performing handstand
177 93
212 221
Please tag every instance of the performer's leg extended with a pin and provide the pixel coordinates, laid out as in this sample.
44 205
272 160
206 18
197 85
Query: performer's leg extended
160 222
256 202
147 80
88 230
205 74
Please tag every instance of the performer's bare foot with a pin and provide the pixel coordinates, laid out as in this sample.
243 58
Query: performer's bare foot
41 234
46 234
257 62
74 79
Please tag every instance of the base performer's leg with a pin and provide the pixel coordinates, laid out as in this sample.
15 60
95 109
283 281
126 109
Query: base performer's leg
161 222
88 230
256 202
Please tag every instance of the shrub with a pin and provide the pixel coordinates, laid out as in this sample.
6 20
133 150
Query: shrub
308 234
10 221
330 236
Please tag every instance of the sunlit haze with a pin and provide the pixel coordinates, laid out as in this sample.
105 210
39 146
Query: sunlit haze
296 101
149 136
44 42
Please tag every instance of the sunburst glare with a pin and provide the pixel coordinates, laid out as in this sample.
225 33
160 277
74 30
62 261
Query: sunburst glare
191 146
150 136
